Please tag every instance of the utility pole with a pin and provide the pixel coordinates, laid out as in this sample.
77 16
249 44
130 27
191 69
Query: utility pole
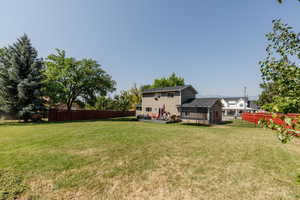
245 97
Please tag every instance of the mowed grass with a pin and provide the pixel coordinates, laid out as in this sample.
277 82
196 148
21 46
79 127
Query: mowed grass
121 159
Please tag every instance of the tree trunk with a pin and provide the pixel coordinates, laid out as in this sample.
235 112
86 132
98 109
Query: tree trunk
69 107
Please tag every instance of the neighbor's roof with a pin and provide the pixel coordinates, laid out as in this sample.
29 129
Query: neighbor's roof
200 102
234 98
169 89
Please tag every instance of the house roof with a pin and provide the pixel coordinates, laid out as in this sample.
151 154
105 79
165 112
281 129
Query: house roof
200 102
169 89
234 98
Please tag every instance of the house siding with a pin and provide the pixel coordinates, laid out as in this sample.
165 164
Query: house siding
170 103
152 101
215 113
212 115
234 106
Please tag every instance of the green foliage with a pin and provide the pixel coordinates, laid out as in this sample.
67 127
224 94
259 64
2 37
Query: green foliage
120 102
266 97
286 131
102 103
280 72
123 101
135 96
170 81
21 79
11 185
69 80
145 87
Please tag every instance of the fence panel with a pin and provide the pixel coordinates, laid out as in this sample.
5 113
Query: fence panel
255 117
64 115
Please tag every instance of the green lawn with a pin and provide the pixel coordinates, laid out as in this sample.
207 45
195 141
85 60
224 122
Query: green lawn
139 160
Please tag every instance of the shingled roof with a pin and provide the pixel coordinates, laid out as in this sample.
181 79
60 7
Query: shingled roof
235 98
169 89
200 102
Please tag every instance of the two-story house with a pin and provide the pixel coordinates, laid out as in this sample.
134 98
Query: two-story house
237 105
180 101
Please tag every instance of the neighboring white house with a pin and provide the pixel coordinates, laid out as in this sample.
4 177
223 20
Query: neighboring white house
236 105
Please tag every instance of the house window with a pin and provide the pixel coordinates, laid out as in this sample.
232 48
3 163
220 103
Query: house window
139 108
148 109
186 113
232 102
241 105
171 94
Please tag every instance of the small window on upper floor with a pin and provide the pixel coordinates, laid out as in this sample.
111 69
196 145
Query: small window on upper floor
241 105
170 94
148 109
186 113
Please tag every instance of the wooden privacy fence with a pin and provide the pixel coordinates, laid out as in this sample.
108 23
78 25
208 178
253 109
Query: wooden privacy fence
255 117
64 115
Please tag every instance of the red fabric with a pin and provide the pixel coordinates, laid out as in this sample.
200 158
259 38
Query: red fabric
255 117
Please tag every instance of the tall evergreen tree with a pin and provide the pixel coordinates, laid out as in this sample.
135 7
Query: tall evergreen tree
21 79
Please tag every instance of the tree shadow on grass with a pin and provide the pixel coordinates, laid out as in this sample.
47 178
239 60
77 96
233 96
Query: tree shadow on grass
208 125
20 123
120 119
196 124
225 123
235 123
242 124
45 122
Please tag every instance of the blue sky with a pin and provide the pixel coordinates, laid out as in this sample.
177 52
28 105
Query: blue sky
214 44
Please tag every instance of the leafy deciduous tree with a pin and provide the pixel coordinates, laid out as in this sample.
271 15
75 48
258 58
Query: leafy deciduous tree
145 87
280 68
266 96
123 101
135 96
173 80
69 80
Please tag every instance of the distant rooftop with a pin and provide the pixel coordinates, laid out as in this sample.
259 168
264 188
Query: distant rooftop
200 102
234 98
169 89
